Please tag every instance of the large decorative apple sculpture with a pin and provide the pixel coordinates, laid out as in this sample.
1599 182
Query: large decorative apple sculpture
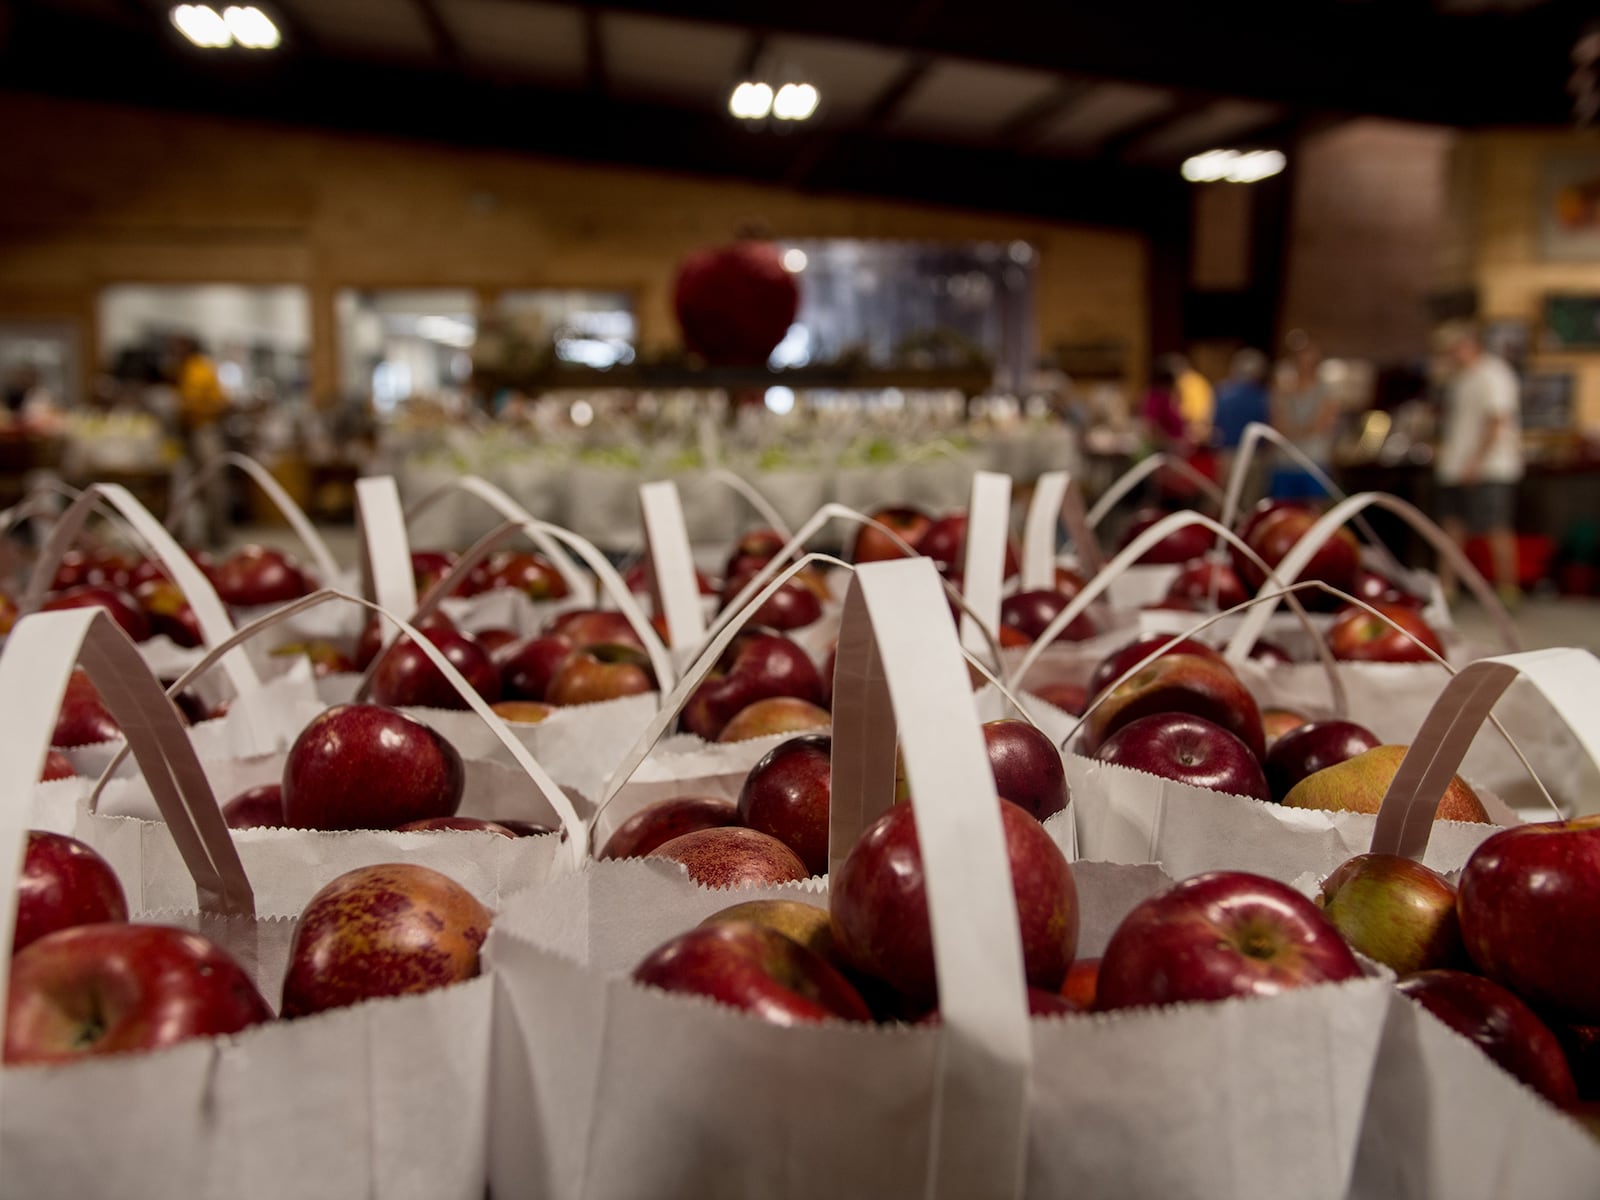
735 303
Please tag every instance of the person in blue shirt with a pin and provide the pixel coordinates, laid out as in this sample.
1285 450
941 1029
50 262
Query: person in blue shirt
1241 398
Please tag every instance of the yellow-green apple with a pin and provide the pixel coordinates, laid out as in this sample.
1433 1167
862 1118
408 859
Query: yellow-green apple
945 541
83 719
1027 767
1179 546
873 545
607 671
1201 577
1358 785
254 575
775 714
1030 612
1356 635
523 712
1500 1024
754 968
168 611
260 807
115 987
369 641
808 924
528 666
1275 722
1179 683
757 665
64 883
1081 983
462 824
393 929
732 856
1221 934
364 766
1110 668
406 677
1395 911
786 795
593 627
56 766
326 658
1276 531
879 904
1312 747
532 574
122 607
1530 905
660 822
1187 749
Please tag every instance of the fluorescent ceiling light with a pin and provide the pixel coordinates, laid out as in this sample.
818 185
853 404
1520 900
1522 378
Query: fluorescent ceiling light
795 102
243 25
251 27
1233 166
750 101
794 260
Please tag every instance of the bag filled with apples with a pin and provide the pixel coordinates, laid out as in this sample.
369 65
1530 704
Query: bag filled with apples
1490 1061
1148 580
359 783
647 1084
142 1054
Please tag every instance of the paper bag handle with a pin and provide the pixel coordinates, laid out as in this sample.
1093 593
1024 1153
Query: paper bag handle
1138 473
1300 555
327 566
542 533
983 566
669 565
1568 678
901 671
753 496
1056 498
579 584
210 613
385 550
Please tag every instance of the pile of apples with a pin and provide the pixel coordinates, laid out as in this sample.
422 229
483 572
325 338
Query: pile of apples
86 982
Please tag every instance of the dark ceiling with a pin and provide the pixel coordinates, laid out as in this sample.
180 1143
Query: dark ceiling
1079 110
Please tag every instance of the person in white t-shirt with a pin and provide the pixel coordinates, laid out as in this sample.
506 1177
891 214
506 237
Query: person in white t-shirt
1479 459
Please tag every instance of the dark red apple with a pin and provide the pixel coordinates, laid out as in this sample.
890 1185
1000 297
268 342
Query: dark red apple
259 807
735 303
1275 532
64 883
528 666
1222 934
56 766
255 575
532 574
1269 652
1378 589
1501 1025
369 642
732 856
428 567
169 611
593 627
945 541
873 545
364 766
754 968
405 677
99 568
1111 667
1582 1046
1027 767
462 824
753 550
1189 750
1395 911
879 904
83 719
1530 905
660 822
1356 635
124 609
112 988
601 672
394 929
1307 749
786 795
1179 546
791 606
1068 697
1201 577
1030 612
757 665
496 638
1179 683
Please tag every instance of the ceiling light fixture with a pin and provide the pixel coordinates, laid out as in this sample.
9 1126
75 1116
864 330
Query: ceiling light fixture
244 25
795 102
251 27
750 101
1233 166
794 260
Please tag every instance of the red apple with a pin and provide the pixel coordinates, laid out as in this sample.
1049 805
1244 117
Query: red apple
111 988
1222 934
1269 652
462 824
736 302
945 541
124 609
496 638
169 611
1358 636
256 575
1378 589
83 720
405 676
1111 667
754 968
880 906
637 577
660 822
1582 1046
56 766
1179 546
873 545
1395 911
1081 983
792 606
1501 1025
363 766
79 568
259 807
786 795
1277 531
1530 905
1201 576
774 715
757 665
1030 612
63 883
393 929
753 550
593 627
1068 697
1179 683
532 574
1275 722
601 672
1027 767
368 643
732 856
528 666
1308 748
1187 749
428 567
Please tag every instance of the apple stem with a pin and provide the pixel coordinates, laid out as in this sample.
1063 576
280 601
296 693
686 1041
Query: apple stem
94 1027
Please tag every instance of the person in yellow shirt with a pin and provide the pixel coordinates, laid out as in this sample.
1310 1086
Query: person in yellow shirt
1196 402
201 405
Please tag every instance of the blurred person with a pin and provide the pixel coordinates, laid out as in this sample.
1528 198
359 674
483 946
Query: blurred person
1306 412
1242 399
1161 412
201 406
1196 401
1479 460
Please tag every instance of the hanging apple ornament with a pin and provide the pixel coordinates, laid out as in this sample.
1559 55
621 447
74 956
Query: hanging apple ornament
735 302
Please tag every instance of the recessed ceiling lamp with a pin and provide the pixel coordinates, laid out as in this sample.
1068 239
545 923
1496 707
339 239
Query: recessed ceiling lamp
1233 166
754 101
242 25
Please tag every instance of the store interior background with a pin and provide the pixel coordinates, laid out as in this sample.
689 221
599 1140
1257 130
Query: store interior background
119 183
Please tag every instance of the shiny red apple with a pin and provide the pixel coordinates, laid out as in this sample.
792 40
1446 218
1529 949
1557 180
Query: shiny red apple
63 883
791 606
528 666
757 665
1189 750
256 575
732 856
871 544
1029 613
1356 635
601 672
1202 578
124 609
945 541
364 766
532 574
786 795
663 820
83 719
1027 767
1112 666
259 807
1179 683
406 677
1308 748
1179 546
593 627
369 642
1278 530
